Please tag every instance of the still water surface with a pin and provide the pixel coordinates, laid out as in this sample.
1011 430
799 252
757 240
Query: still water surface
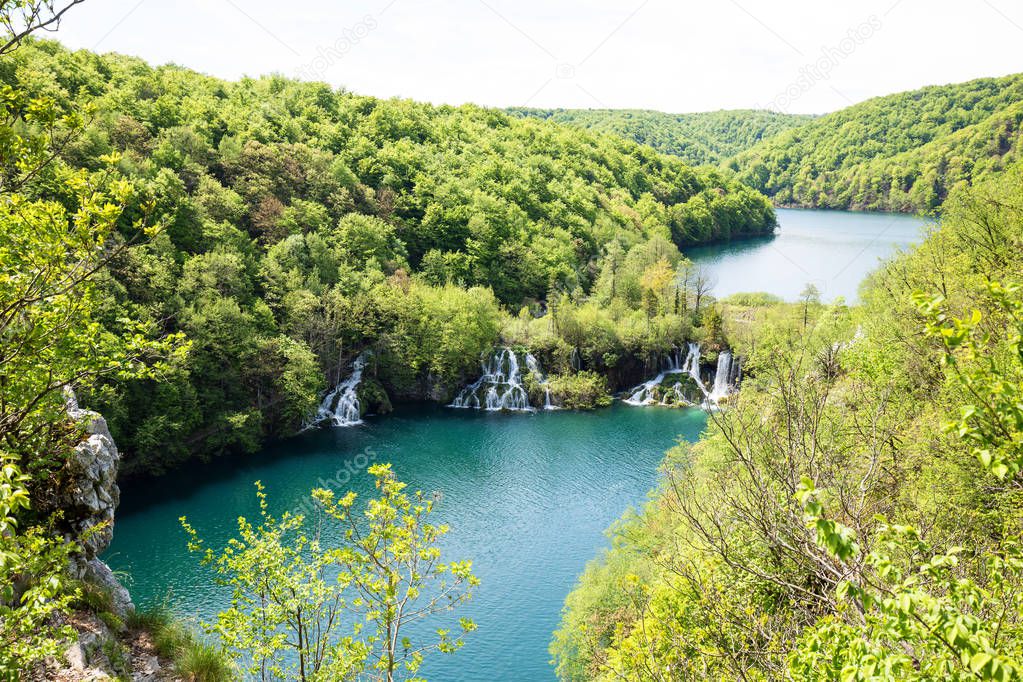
528 496
834 250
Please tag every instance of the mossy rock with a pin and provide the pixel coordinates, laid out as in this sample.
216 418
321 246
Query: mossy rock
665 392
373 397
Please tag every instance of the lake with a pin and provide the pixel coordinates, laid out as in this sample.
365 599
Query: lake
833 250
528 496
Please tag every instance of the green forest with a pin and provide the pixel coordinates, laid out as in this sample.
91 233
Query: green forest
189 265
708 138
855 514
904 152
296 227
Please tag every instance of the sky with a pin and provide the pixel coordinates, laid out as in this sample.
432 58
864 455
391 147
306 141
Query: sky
668 55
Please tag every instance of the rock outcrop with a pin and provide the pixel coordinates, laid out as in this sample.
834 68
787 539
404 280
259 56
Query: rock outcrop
89 502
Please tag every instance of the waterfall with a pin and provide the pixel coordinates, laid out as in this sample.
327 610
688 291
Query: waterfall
341 405
500 384
736 374
674 361
654 392
534 366
646 393
693 366
722 378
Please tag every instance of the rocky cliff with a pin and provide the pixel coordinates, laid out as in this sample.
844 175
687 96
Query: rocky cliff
90 501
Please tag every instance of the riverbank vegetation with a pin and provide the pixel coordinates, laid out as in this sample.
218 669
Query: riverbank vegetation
854 514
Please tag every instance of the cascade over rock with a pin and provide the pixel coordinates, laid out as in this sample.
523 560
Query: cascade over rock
689 389
722 377
341 404
500 385
534 366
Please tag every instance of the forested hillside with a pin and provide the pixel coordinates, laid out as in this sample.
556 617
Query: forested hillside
902 152
701 138
284 227
855 513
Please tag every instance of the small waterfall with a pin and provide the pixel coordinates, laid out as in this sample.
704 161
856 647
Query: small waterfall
653 392
693 366
534 366
722 378
341 405
672 362
736 374
646 393
500 385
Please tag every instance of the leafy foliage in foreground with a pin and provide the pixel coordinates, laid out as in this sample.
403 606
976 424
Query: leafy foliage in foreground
52 244
855 513
338 604
902 152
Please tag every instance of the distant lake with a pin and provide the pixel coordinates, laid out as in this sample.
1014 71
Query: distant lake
835 250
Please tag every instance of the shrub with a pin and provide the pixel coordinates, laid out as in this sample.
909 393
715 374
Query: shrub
580 391
752 299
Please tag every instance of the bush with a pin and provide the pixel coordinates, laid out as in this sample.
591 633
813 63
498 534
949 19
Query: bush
752 299
580 391
203 662
93 598
111 621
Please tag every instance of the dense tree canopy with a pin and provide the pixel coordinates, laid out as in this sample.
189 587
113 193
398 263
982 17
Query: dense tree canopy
902 152
298 226
702 138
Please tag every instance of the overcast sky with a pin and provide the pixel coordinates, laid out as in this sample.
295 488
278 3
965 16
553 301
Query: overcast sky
670 55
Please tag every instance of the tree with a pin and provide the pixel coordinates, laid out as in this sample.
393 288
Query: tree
394 565
810 296
295 593
683 276
703 284
20 18
284 600
656 280
32 584
915 617
991 373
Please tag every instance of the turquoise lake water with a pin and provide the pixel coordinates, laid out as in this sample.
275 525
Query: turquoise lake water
834 250
528 496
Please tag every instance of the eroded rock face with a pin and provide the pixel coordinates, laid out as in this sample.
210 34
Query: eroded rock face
93 494
90 501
